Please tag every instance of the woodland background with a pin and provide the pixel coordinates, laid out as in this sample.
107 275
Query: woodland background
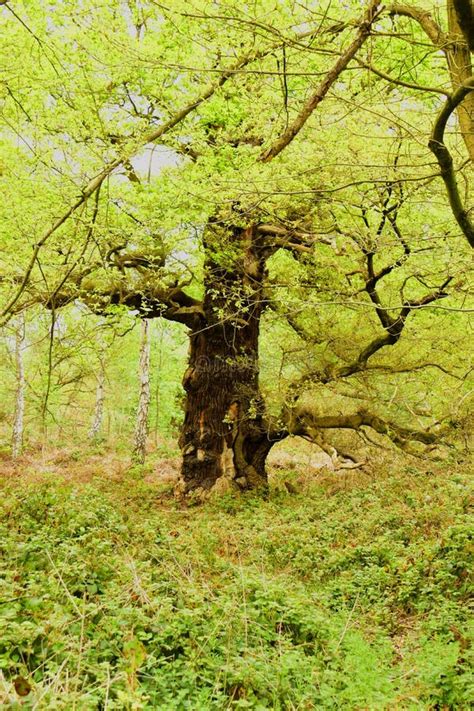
236 313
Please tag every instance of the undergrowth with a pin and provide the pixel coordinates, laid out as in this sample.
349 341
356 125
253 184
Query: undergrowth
352 594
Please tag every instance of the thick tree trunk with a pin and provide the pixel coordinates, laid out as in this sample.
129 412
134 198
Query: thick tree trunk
18 423
460 67
141 425
224 440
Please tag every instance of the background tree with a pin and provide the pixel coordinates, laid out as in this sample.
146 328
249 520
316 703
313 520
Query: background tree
141 423
18 423
98 417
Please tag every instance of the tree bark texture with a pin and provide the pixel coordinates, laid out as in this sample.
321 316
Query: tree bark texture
98 417
224 439
18 423
141 425
460 66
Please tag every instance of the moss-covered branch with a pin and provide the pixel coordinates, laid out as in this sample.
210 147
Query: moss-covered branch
306 422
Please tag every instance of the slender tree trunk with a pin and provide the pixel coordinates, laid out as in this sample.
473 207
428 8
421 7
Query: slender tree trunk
49 379
158 384
98 417
18 423
224 439
141 425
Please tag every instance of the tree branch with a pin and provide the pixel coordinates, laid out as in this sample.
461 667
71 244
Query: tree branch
291 239
303 421
445 160
400 82
315 99
394 328
126 155
424 19
457 55
170 304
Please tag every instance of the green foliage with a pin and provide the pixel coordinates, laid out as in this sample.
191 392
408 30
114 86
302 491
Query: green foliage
83 345
357 181
345 597
352 595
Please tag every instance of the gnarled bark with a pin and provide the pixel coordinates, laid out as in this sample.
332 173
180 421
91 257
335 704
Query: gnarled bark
224 437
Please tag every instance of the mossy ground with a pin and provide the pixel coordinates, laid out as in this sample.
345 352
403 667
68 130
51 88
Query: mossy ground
351 594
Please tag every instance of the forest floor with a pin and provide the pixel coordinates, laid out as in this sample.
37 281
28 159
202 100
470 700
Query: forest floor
352 593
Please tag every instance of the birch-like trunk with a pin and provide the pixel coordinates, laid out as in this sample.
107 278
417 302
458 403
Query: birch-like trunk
98 417
18 423
158 384
141 425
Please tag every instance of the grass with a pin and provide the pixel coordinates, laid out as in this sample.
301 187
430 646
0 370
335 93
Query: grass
351 594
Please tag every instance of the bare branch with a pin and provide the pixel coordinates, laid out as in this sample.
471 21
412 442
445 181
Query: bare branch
315 99
445 160
457 55
393 331
401 82
424 19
